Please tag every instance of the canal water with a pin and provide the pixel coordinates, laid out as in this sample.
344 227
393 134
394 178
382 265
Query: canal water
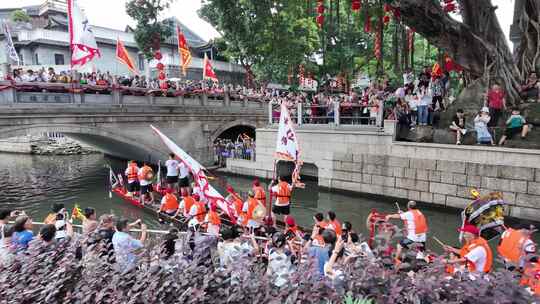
34 183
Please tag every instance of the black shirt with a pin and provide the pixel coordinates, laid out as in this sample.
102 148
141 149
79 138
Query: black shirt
456 119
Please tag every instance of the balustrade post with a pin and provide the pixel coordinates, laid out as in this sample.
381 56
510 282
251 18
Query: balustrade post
380 114
204 99
270 112
116 97
299 113
227 99
151 99
336 113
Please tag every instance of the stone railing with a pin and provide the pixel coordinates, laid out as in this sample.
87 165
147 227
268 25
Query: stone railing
65 94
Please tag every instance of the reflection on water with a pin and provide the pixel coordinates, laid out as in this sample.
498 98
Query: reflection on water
34 183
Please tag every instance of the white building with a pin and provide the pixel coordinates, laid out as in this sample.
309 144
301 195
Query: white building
44 42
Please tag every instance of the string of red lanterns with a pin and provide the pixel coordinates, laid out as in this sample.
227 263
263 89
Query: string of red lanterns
320 13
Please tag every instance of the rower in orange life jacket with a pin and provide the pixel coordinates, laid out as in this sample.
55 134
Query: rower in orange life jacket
213 220
282 191
253 212
321 224
198 210
514 246
260 194
333 223
186 203
145 176
237 202
416 226
132 174
531 276
475 254
169 203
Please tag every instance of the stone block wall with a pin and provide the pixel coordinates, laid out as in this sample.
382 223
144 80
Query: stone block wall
370 162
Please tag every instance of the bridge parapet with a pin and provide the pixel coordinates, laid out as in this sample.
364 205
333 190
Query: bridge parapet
21 94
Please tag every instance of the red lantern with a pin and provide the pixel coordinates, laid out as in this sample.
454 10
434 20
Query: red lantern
386 19
160 66
367 24
356 5
157 55
161 76
387 7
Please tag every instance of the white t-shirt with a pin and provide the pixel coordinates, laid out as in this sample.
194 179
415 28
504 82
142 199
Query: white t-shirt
408 217
478 257
143 182
172 167
183 170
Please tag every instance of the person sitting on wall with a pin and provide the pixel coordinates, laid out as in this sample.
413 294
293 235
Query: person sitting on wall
531 90
515 124
458 125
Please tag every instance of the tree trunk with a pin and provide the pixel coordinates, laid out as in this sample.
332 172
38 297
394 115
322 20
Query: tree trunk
412 51
404 49
528 52
475 43
395 46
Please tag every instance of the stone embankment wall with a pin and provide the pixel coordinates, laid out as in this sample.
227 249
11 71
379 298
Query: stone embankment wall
371 162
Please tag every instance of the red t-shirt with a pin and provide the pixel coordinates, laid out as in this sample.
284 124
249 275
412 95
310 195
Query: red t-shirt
495 99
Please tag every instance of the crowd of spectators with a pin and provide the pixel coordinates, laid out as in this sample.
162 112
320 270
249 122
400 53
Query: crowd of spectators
241 148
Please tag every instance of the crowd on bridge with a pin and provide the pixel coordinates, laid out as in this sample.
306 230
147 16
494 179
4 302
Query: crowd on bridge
241 148
252 246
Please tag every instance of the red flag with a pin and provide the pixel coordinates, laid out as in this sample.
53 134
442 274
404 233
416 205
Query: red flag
123 56
183 50
208 71
436 70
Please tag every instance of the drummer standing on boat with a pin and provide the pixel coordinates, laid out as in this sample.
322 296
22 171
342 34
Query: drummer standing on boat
183 177
172 172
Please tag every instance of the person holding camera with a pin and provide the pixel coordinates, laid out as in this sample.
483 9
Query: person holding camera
126 246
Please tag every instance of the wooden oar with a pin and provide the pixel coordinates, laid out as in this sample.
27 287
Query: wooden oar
398 209
439 241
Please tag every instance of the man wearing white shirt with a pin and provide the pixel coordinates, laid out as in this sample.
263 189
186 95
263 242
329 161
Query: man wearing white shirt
183 180
172 171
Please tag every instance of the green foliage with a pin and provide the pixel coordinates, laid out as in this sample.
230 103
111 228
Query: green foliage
350 300
270 36
19 16
149 31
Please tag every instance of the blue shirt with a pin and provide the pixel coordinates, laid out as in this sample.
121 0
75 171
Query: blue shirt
124 247
21 239
321 254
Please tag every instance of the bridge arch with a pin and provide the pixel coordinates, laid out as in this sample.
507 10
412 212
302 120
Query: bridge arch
236 126
107 141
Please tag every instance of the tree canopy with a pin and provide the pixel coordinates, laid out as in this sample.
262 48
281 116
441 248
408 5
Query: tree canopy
19 16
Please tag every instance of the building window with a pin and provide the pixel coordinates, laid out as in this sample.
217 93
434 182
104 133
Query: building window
36 59
141 62
58 59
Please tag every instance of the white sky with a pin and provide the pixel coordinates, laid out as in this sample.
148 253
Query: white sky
111 13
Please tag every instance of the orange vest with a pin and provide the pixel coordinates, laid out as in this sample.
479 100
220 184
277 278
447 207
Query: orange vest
252 204
478 242
260 194
336 226
511 245
201 211
188 202
531 277
213 218
132 172
322 224
171 202
144 172
238 204
420 223
284 194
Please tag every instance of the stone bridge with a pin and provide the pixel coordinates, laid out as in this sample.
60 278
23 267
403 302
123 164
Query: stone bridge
119 125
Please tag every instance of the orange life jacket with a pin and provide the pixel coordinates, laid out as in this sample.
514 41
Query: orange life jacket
511 245
260 195
132 172
213 218
201 211
171 202
420 223
238 205
336 226
252 204
188 202
531 277
478 242
284 194
322 224
144 172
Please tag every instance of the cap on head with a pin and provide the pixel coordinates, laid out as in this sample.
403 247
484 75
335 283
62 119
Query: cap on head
485 110
279 239
470 229
251 193
289 220
411 205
